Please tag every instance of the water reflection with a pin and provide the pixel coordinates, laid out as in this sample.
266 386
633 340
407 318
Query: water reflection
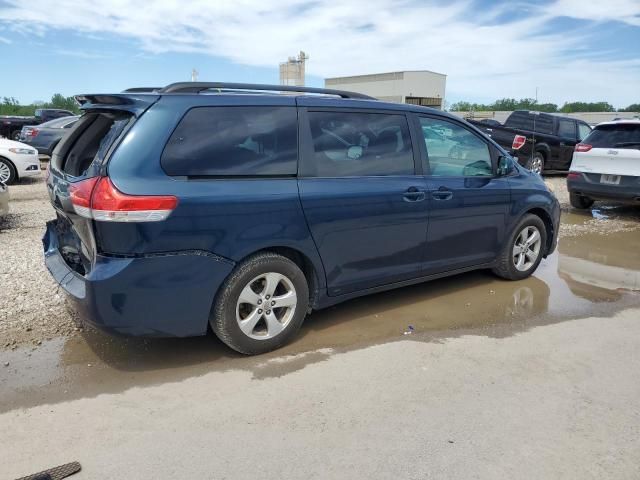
589 275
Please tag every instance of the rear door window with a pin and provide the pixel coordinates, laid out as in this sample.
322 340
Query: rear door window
233 141
353 144
566 128
624 135
454 151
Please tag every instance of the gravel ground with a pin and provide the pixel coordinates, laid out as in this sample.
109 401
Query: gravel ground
33 309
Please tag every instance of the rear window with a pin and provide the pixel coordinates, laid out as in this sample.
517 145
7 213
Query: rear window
234 141
538 123
614 136
93 135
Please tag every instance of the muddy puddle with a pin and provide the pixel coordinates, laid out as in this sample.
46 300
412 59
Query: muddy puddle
592 273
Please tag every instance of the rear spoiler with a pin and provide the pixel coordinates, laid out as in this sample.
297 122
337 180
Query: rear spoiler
130 102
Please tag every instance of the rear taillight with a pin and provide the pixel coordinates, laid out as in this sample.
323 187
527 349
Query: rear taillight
33 132
574 176
583 147
518 142
99 199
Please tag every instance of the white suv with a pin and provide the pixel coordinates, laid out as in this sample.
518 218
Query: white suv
606 165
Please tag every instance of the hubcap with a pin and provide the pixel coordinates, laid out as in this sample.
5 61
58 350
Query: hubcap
266 306
526 248
4 172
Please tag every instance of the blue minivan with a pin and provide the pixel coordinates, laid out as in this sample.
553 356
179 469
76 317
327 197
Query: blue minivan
245 207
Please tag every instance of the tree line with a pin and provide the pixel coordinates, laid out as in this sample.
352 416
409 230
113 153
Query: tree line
11 106
510 104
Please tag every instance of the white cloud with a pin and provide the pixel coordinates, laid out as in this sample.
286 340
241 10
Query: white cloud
482 57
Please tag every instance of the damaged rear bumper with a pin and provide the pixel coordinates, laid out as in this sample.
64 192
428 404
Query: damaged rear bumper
161 295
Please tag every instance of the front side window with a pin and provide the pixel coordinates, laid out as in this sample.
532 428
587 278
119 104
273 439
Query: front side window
233 141
566 129
454 151
349 144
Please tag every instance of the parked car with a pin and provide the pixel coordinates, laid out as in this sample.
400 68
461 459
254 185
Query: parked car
17 161
606 165
540 141
45 137
178 210
11 125
4 199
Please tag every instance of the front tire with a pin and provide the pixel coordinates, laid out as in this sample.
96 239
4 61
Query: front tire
580 202
15 135
8 172
524 249
262 304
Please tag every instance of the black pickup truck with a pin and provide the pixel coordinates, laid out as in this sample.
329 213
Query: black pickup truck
541 142
10 126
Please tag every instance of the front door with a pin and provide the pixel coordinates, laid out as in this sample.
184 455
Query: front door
469 203
365 206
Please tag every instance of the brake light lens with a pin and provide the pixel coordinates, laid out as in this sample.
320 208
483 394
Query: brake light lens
574 176
99 199
583 147
518 142
33 132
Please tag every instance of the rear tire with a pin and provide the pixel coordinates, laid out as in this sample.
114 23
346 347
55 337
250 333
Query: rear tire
580 202
15 135
247 316
536 164
522 253
8 172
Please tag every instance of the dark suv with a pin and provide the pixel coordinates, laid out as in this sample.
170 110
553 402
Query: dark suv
245 207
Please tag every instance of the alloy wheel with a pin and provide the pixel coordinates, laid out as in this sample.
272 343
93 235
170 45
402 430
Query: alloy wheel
526 248
537 164
266 306
5 172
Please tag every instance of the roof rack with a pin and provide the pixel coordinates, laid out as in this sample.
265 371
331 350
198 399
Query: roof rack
197 87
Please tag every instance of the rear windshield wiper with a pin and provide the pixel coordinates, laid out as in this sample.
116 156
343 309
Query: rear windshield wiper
627 144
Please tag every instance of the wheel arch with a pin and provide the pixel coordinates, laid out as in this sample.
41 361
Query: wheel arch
543 149
305 264
548 223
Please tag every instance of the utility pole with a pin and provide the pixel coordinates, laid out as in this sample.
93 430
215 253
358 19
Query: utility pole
194 75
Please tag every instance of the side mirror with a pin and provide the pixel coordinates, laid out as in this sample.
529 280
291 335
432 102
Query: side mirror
504 165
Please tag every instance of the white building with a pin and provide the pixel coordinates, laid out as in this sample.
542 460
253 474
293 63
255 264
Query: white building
418 87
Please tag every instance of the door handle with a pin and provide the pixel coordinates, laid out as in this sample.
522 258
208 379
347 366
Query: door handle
442 193
414 194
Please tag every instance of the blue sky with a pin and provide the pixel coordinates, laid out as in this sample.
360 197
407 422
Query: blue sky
570 49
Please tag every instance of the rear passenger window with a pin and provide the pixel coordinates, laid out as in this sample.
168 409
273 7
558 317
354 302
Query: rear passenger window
454 151
349 144
233 141
566 129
